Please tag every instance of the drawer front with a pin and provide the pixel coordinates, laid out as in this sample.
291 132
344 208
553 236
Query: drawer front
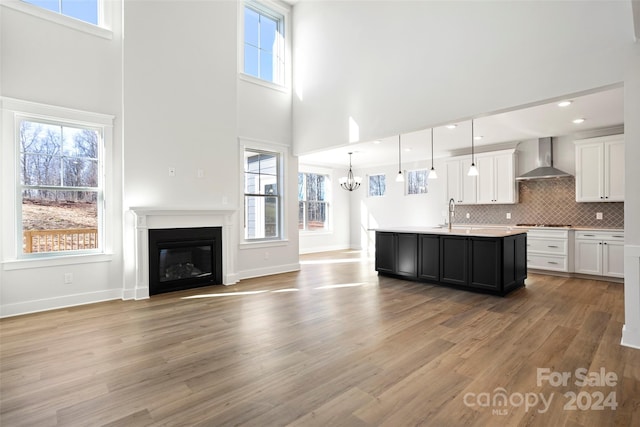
547 233
600 235
547 262
550 246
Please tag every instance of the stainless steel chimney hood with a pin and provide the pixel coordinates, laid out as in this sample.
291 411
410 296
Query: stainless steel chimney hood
545 167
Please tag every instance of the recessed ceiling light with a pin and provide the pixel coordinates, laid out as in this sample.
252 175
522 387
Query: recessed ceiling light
578 121
477 138
452 126
407 149
564 103
377 141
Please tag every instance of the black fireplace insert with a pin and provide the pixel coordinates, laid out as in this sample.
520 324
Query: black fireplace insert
184 258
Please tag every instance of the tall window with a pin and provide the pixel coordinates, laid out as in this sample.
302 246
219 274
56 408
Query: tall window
377 185
61 186
263 43
262 195
84 10
313 203
417 181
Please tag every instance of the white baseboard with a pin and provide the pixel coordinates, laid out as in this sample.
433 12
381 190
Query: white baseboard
34 306
268 271
317 249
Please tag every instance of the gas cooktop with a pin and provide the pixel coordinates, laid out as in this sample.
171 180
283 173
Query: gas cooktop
544 225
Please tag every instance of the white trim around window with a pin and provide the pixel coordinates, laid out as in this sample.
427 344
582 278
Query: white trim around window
283 152
281 9
105 15
13 110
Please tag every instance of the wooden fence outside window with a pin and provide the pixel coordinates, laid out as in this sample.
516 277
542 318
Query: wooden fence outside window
69 239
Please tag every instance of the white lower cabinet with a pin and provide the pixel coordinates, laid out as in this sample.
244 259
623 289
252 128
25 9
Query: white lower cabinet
549 249
599 253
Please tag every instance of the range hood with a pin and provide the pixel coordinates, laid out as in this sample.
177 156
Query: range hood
545 167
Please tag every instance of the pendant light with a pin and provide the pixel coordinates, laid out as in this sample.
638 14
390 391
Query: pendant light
350 182
473 170
400 177
432 172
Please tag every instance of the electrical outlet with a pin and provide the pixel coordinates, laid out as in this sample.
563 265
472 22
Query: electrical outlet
508 215
200 173
172 171
225 200
598 215
468 215
266 255
68 278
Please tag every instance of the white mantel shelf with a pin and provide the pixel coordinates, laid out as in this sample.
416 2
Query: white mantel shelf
151 217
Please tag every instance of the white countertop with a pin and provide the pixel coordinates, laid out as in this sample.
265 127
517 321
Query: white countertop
486 230
455 231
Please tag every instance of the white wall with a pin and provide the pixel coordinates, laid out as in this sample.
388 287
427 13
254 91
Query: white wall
48 63
185 107
172 85
396 208
401 66
631 332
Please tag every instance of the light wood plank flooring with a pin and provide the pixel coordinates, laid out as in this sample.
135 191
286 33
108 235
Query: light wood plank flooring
331 345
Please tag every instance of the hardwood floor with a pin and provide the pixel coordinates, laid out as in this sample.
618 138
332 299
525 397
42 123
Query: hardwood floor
331 345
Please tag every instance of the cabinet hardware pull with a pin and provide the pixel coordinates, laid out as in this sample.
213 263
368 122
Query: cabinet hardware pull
551 262
551 246
605 243
588 235
528 260
618 236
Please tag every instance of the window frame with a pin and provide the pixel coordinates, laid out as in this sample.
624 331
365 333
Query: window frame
280 154
327 201
272 10
13 112
369 176
105 17
425 172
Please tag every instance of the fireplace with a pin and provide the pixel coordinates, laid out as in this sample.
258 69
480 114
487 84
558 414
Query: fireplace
184 258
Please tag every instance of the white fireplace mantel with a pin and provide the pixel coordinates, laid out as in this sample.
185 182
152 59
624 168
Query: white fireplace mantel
147 218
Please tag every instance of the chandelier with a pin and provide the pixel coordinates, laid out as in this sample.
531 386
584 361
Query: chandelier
350 182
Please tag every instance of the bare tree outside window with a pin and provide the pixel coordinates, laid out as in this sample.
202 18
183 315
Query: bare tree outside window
377 185
60 186
313 203
417 181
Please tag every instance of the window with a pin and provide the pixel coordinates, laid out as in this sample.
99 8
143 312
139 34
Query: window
263 43
262 195
60 186
84 10
313 204
417 181
377 185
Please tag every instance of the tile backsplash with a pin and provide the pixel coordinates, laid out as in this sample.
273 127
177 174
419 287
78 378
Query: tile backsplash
546 201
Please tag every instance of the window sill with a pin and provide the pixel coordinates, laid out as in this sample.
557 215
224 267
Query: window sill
58 18
260 82
55 261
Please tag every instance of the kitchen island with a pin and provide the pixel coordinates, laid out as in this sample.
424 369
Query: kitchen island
484 260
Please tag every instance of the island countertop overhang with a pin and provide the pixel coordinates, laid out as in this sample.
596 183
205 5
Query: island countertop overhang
468 232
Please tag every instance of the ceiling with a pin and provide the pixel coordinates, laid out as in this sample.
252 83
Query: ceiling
600 110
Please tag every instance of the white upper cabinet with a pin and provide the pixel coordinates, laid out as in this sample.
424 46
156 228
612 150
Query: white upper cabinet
600 169
497 177
495 183
460 187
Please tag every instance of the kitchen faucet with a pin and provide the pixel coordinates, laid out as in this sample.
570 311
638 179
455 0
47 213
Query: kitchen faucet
452 206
